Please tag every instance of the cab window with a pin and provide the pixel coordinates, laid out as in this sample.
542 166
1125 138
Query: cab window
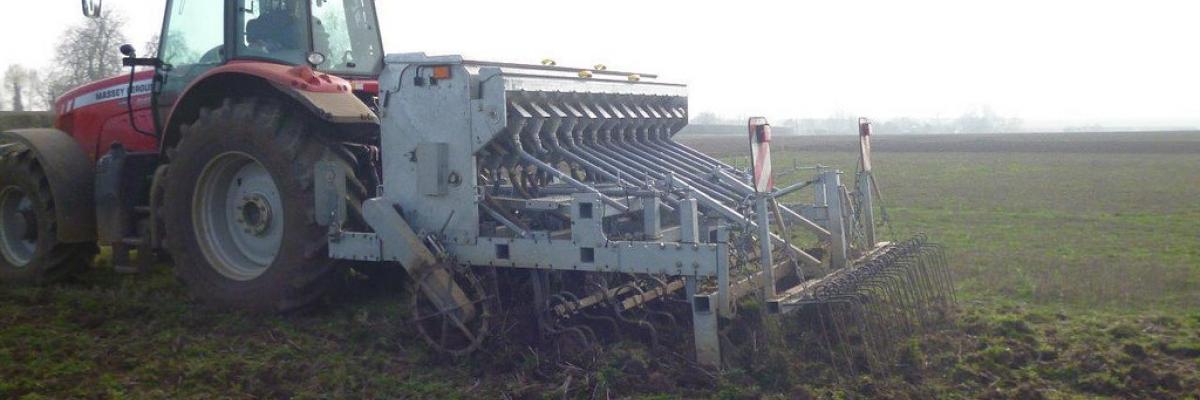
344 32
191 35
273 29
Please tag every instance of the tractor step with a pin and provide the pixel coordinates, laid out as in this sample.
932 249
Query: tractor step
133 242
123 263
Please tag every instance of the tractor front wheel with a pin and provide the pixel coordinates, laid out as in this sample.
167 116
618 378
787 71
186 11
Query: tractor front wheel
239 206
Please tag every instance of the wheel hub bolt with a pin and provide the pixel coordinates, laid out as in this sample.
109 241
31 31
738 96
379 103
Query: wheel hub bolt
254 214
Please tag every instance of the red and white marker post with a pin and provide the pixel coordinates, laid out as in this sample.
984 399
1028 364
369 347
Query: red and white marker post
760 155
866 181
764 183
864 143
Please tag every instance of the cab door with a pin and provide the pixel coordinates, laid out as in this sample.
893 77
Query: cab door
193 41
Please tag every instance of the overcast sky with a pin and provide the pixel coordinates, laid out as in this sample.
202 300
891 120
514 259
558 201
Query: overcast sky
1073 61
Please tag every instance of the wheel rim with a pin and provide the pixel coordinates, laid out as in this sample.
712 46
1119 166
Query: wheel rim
238 216
18 227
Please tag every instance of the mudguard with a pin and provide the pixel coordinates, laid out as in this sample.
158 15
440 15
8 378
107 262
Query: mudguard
70 174
327 96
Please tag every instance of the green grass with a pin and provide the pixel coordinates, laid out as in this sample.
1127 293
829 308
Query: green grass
1080 273
1072 229
1079 276
140 337
25 119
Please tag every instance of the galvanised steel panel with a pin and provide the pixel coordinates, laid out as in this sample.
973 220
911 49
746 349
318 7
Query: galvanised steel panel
675 259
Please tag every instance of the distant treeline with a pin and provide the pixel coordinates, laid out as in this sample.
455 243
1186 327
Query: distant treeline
25 119
730 129
967 123
983 120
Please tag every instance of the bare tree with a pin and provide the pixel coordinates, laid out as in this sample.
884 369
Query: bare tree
86 52
35 92
17 80
150 49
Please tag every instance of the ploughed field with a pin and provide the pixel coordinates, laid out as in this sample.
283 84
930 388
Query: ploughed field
1077 258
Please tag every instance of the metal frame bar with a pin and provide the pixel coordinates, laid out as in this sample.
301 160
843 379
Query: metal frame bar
792 299
867 208
766 259
706 329
674 258
838 247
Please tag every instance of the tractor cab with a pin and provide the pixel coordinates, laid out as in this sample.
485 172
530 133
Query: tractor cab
293 47
335 37
338 37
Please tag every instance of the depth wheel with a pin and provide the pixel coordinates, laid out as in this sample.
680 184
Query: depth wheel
29 248
447 330
238 207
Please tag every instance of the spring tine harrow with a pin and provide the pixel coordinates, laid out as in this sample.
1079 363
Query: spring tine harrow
897 293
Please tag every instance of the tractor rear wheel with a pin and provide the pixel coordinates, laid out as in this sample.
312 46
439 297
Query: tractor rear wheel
239 206
29 248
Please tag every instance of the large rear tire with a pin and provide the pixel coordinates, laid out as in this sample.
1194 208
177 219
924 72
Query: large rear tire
239 206
30 252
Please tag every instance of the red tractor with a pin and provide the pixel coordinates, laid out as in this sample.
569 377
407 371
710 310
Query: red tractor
206 152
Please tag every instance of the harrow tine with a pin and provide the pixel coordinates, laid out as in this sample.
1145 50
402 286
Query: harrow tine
937 257
639 322
608 323
865 310
824 312
563 339
840 328
613 300
669 319
660 287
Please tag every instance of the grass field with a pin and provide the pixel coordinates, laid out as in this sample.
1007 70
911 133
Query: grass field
1077 257
1101 227
1091 242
